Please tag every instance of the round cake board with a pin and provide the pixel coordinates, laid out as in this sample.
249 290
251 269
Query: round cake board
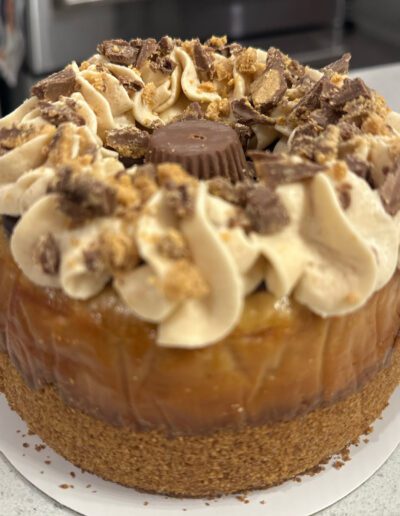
89 495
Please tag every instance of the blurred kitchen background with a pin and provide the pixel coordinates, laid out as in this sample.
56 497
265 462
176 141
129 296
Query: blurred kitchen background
38 37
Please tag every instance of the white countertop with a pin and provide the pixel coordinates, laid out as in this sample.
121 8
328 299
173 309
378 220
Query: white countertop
380 495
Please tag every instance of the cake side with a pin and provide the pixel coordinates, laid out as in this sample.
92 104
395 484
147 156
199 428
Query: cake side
281 360
225 462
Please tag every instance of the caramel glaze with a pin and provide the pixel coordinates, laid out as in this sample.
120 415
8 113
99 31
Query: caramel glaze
280 362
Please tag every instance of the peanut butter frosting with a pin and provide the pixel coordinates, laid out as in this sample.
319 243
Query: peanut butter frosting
315 216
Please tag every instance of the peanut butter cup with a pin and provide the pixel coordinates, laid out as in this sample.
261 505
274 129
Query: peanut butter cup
206 149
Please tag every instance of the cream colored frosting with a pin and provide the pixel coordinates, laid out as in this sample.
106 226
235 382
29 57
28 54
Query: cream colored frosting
329 258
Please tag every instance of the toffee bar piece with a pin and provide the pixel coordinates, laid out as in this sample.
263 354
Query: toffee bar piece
206 149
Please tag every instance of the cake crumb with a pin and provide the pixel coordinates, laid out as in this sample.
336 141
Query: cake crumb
88 486
40 447
64 486
262 502
366 441
26 445
47 462
338 464
72 474
145 503
242 498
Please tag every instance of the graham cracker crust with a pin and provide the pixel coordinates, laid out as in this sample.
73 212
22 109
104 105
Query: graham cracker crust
221 463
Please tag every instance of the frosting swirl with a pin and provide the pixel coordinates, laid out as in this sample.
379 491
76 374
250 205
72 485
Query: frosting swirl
178 252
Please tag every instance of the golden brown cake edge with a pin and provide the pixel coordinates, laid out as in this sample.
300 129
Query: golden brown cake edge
224 462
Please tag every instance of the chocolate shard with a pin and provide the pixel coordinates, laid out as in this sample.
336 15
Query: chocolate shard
276 169
358 166
148 47
275 60
352 89
390 191
57 115
164 64
231 49
340 66
312 99
348 130
324 116
166 45
47 254
83 197
246 114
129 142
267 91
180 199
131 85
118 51
59 84
192 112
264 211
203 60
10 137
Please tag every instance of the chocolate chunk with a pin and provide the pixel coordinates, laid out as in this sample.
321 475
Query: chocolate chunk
118 51
268 89
57 115
131 85
205 149
324 116
180 198
246 114
203 60
231 50
275 169
358 166
163 64
59 84
264 211
129 142
275 60
47 254
147 48
166 45
352 89
303 139
192 112
83 197
344 194
348 130
390 191
312 99
340 66
10 137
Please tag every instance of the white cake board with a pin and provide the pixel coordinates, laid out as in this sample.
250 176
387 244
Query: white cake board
92 496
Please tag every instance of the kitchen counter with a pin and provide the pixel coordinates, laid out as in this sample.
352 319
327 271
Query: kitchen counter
379 495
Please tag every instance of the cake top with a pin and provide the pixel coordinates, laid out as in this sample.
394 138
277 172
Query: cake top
188 175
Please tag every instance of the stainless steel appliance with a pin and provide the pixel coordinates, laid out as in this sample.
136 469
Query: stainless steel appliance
58 31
